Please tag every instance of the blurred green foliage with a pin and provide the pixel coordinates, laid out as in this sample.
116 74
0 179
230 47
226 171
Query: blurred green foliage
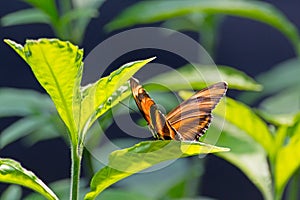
264 141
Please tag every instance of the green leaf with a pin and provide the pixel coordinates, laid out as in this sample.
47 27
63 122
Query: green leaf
100 96
125 162
277 104
190 22
57 65
246 120
286 76
47 6
53 129
115 194
26 16
197 77
20 129
154 11
78 13
287 161
246 154
87 3
21 102
12 172
288 119
61 189
149 188
12 192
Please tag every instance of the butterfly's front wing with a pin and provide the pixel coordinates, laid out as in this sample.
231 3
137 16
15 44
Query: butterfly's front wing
142 99
159 126
192 117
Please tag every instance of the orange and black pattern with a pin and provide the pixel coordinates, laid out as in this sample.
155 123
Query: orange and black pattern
188 121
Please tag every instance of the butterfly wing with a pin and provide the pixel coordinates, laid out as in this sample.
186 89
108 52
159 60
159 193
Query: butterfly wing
142 99
192 117
159 126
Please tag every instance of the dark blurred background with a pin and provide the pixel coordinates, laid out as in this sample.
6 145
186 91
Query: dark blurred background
248 45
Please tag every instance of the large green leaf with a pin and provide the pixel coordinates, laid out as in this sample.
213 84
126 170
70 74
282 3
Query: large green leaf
182 185
57 65
125 162
198 77
12 172
247 155
245 119
154 11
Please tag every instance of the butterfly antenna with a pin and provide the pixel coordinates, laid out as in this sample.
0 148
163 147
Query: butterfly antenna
128 107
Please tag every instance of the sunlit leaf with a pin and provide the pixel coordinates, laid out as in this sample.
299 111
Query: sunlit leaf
287 161
25 16
154 11
125 162
198 77
57 65
247 155
137 183
107 92
61 189
245 119
12 172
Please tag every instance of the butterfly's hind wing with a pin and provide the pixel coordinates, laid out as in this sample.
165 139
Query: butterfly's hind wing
192 117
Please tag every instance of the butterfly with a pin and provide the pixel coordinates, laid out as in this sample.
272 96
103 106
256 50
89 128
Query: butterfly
188 121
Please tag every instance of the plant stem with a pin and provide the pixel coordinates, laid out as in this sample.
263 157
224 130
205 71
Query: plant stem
76 152
292 193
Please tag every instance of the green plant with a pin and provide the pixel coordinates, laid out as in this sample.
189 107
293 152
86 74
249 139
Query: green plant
274 127
58 67
67 18
203 17
263 141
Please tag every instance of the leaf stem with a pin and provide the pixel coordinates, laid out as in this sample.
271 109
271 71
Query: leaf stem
76 153
292 193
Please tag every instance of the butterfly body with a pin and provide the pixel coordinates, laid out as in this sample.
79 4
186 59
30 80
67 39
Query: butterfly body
188 121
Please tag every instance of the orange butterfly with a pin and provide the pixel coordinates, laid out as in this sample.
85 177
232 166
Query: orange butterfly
188 121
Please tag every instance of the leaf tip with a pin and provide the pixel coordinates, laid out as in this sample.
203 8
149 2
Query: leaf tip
13 44
150 59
